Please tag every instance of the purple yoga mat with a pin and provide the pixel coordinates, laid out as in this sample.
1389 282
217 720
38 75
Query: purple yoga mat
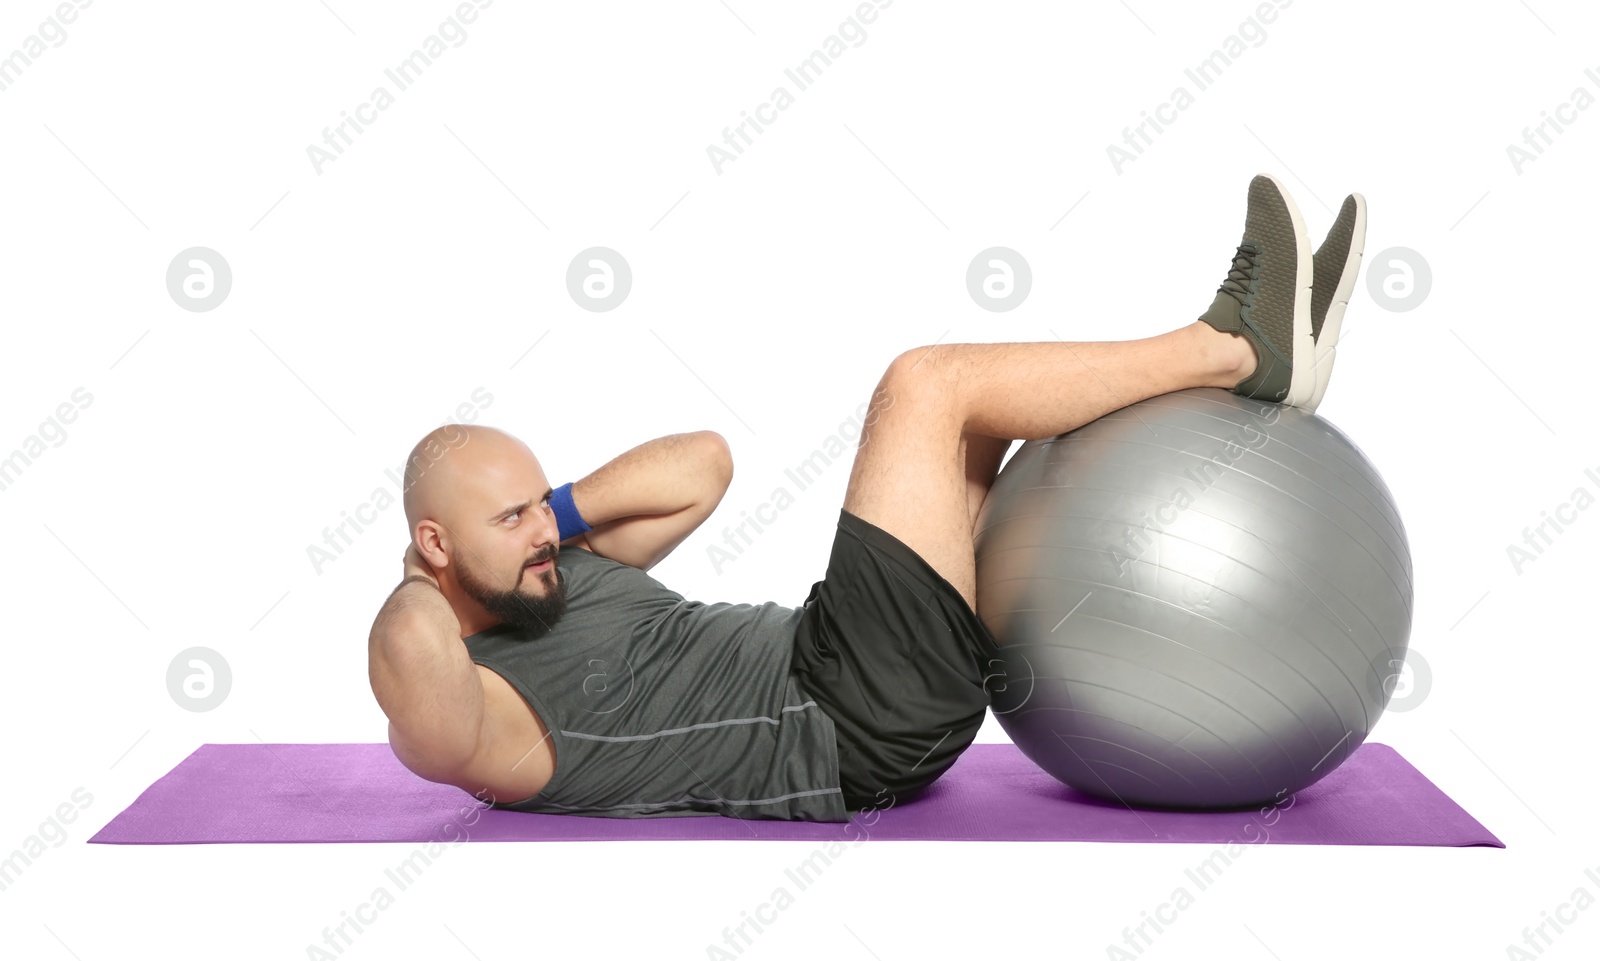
273 793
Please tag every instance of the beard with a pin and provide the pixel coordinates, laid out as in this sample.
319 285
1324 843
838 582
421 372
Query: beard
534 614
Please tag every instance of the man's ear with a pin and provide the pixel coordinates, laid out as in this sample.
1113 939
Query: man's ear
431 545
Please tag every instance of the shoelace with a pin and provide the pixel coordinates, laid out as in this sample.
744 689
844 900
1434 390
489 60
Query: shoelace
1237 283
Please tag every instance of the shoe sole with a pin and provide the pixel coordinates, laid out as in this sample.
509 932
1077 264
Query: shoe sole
1303 374
1328 341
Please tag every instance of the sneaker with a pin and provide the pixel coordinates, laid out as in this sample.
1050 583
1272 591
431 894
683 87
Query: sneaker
1266 298
1333 276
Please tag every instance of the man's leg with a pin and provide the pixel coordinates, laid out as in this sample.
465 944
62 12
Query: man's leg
943 417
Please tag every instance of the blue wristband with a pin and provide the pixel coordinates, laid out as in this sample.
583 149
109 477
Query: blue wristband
568 523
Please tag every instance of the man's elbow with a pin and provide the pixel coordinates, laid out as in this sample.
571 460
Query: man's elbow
436 760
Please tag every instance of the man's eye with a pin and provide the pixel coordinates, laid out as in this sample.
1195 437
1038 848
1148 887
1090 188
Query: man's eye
511 515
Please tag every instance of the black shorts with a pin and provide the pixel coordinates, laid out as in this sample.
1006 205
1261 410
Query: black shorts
891 652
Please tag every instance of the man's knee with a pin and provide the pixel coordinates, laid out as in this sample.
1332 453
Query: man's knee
920 378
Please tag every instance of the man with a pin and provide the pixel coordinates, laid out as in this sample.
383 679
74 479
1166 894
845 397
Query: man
528 658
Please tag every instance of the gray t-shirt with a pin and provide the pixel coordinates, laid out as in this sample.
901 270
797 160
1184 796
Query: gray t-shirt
662 706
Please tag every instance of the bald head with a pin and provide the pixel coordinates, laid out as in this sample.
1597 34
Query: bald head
455 465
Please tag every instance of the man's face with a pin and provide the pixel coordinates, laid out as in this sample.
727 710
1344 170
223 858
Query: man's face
510 568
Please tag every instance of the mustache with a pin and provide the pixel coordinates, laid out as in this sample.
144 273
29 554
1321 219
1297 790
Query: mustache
541 557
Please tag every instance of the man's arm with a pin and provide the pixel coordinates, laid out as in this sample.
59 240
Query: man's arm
644 503
425 681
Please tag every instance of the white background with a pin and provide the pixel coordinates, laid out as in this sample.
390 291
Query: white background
371 299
